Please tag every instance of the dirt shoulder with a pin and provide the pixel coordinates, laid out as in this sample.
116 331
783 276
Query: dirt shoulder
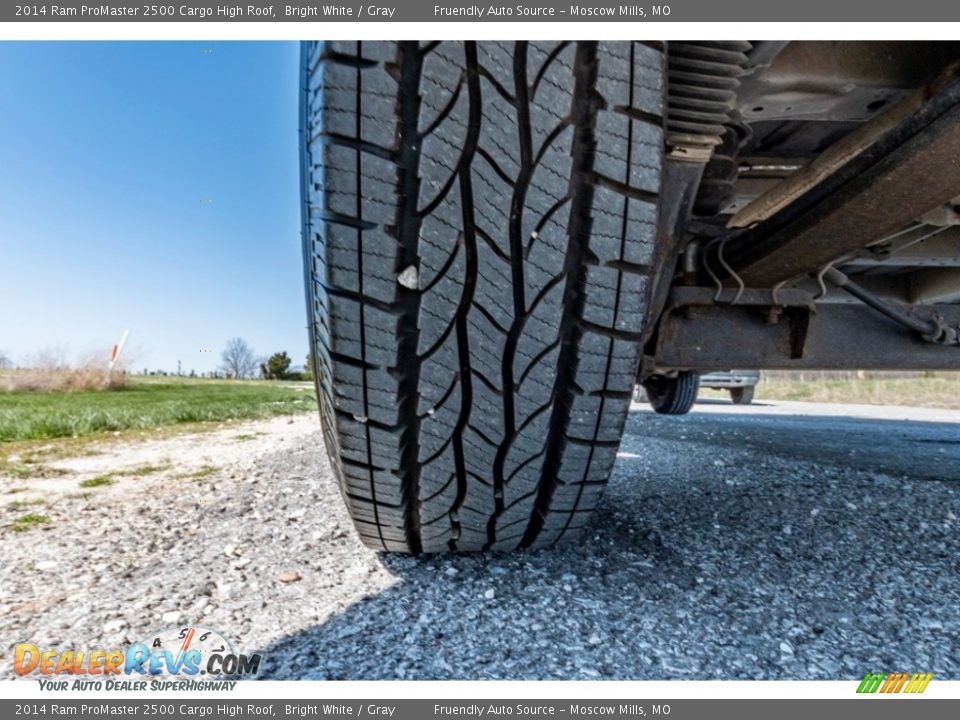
234 528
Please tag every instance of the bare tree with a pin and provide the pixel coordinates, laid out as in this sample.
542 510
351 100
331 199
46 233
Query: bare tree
4 360
238 359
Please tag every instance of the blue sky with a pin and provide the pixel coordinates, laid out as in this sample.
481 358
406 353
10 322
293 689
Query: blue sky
150 186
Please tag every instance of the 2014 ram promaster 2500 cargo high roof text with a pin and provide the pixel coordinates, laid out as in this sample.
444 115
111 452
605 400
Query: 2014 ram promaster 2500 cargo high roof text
501 239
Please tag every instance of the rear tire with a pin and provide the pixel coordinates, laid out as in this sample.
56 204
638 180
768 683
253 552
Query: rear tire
479 221
742 395
673 395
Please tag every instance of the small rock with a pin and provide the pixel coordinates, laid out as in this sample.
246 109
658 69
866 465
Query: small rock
451 571
567 588
786 648
490 594
594 639
46 565
289 576
409 278
172 617
114 626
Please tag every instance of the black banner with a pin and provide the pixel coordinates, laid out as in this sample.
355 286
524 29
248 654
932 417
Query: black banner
524 11
876 708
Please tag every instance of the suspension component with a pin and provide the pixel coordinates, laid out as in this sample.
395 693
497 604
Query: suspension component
716 191
703 78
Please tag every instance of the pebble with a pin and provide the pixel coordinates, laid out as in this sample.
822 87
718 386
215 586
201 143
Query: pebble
409 278
111 627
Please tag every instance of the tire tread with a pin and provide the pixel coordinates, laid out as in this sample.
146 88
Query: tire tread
482 407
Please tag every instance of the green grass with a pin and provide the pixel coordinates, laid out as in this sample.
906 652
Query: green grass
147 469
28 469
143 405
23 504
98 481
204 471
25 522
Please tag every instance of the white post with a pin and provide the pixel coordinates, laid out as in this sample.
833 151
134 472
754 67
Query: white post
115 354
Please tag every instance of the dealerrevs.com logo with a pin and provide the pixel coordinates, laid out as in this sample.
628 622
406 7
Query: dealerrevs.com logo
175 658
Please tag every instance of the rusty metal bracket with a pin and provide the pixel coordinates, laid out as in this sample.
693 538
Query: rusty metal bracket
706 337
688 296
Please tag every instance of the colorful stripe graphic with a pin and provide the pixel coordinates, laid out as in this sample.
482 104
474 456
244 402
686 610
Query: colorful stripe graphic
894 682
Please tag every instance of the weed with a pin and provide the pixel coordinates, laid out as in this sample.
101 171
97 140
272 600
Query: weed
204 471
23 504
30 520
98 481
147 469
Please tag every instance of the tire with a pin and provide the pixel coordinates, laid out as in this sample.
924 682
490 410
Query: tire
742 395
479 221
675 395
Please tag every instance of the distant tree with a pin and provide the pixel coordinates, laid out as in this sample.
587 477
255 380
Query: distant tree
307 373
238 360
4 360
277 367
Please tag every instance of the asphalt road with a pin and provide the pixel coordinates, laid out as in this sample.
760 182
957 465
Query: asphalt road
781 541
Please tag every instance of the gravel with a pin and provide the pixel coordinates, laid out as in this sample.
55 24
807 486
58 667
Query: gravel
776 541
